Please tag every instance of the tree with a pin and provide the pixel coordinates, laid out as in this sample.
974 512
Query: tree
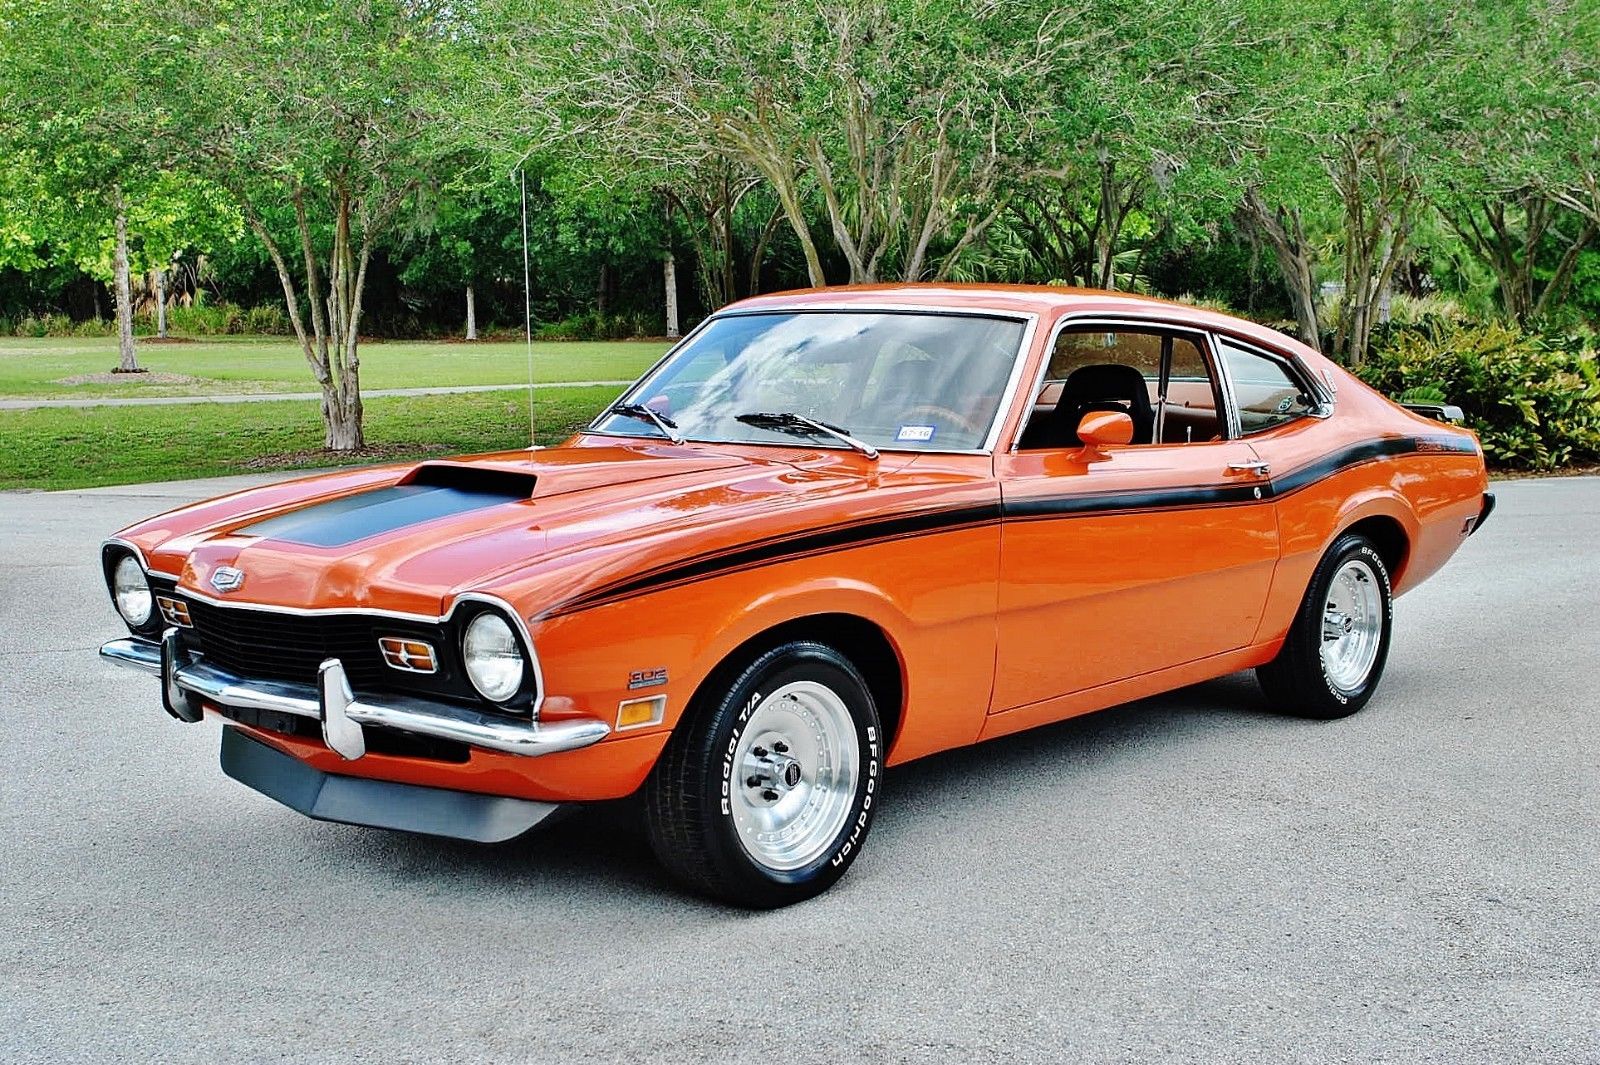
80 102
1515 127
467 240
895 120
333 113
1330 157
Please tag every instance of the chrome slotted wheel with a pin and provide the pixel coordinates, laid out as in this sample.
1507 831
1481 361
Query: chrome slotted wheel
795 772
1352 625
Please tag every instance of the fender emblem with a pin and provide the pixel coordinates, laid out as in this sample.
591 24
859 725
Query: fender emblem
647 678
226 578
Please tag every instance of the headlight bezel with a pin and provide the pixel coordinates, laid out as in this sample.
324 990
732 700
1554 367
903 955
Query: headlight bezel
115 558
526 691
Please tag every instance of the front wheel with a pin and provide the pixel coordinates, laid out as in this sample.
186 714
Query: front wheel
765 794
1333 657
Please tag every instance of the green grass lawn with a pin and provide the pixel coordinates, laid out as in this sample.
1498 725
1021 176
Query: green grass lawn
83 447
41 367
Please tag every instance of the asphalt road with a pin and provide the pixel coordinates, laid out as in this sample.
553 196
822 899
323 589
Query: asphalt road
1185 879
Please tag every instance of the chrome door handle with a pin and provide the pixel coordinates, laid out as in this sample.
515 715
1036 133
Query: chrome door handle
1259 468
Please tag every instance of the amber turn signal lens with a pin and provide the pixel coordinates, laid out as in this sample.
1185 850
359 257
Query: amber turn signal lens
174 612
411 656
635 713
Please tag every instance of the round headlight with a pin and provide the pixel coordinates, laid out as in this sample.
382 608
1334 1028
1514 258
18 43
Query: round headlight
493 658
131 591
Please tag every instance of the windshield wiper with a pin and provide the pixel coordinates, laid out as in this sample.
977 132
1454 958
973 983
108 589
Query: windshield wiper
789 422
668 427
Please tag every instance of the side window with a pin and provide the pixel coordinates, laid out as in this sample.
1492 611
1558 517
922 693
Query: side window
1161 380
1076 349
1265 391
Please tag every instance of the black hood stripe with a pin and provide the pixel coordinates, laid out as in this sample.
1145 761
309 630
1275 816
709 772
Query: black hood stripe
376 511
925 522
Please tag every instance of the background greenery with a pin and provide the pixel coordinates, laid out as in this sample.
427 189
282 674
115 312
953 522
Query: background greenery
84 447
1413 188
57 367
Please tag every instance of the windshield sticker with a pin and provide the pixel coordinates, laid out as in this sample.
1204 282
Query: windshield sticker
919 434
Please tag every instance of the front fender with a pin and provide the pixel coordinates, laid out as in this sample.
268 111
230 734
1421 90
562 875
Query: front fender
942 629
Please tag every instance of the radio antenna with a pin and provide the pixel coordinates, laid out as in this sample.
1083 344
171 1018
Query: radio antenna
527 305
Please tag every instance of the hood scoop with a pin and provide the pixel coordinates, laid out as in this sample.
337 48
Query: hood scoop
488 480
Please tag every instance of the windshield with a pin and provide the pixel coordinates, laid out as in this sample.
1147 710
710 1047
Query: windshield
922 382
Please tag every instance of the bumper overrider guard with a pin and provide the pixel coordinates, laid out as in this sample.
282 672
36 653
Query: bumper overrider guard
188 683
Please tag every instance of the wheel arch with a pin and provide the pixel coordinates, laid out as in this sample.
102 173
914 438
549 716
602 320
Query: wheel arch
1387 520
1388 536
863 641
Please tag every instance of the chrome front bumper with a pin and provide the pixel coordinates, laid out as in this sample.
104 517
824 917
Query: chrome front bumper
187 682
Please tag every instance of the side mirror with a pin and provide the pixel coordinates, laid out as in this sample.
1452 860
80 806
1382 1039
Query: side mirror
1098 428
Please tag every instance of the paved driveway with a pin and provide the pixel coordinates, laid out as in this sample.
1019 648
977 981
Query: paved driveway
1186 879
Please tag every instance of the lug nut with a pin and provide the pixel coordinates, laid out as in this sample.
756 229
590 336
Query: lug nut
770 795
759 752
752 782
781 747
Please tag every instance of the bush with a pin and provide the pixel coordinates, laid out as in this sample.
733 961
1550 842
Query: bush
268 318
207 319
1533 399
56 325
592 326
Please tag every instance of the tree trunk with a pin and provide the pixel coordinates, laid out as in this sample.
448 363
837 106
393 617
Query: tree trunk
602 301
331 346
341 420
759 253
1284 234
1512 256
669 276
161 304
127 360
472 315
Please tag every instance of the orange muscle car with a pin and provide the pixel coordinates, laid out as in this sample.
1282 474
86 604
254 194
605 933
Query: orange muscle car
829 532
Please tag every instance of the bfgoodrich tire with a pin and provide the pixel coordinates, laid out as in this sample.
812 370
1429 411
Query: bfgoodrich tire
1334 655
766 792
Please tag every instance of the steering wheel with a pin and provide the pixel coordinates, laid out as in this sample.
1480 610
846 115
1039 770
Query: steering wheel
946 415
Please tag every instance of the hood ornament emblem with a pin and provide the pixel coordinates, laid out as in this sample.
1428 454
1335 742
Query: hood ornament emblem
226 578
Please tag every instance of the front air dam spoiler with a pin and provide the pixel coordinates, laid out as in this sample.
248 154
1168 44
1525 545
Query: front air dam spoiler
378 803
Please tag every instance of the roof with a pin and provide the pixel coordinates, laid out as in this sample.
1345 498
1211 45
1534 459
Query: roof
1043 300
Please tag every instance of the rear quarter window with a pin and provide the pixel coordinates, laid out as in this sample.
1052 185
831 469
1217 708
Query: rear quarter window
1266 392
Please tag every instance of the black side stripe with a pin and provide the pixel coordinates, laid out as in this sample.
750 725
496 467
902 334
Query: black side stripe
1187 497
1129 502
1369 451
925 522
792 546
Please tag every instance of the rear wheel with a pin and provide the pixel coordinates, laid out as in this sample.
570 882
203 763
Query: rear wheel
765 794
1334 655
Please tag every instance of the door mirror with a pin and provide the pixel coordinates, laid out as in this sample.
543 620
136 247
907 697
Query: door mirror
1097 428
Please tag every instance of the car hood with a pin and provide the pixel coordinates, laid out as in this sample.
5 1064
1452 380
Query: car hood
408 538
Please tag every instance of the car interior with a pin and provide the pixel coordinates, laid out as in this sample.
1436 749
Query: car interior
1160 380
1163 382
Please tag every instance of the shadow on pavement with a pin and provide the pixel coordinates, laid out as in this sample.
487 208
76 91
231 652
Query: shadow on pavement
602 850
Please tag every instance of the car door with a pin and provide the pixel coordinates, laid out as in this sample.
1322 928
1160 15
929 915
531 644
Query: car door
1128 559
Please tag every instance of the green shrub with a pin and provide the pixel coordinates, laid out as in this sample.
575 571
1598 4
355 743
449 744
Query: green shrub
1533 399
207 319
268 318
592 326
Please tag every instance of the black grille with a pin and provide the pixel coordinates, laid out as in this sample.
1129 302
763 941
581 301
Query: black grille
261 643
270 645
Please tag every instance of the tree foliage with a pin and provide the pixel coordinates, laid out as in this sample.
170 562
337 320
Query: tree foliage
374 152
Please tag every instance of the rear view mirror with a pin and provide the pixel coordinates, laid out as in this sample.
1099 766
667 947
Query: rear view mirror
1098 428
